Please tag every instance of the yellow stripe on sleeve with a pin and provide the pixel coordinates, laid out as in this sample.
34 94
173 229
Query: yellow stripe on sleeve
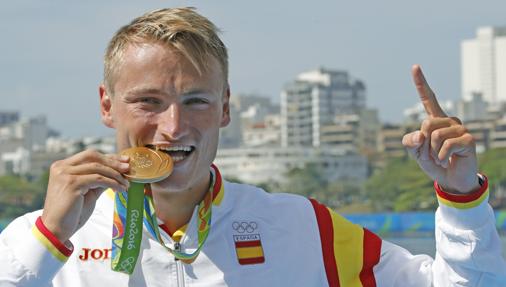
464 205
348 250
49 246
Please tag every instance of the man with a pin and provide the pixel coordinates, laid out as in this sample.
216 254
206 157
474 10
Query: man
165 87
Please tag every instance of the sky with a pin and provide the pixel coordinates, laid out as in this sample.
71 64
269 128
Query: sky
51 52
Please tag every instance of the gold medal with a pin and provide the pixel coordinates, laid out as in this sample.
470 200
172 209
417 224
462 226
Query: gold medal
147 165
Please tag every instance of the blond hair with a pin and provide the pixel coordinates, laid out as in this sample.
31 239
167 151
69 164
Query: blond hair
183 29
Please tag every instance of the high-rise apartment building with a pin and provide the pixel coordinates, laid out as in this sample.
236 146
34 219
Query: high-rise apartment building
483 61
8 117
313 101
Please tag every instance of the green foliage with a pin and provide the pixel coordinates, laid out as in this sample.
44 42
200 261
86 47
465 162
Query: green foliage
401 186
493 164
18 196
310 181
304 181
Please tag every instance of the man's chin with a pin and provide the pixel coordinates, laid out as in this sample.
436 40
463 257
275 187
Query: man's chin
171 184
182 179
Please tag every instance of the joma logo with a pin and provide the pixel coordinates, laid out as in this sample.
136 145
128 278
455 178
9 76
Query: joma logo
95 254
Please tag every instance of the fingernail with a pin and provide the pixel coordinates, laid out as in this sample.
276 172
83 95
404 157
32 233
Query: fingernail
124 157
124 165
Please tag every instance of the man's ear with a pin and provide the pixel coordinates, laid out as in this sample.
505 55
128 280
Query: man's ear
105 107
225 118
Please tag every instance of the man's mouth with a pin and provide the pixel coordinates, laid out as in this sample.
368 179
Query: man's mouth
177 153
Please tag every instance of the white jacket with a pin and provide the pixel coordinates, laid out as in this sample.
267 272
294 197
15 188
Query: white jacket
262 239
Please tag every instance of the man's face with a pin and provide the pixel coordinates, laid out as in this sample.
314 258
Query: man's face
161 101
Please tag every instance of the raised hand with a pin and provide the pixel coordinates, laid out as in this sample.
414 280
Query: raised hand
74 186
443 147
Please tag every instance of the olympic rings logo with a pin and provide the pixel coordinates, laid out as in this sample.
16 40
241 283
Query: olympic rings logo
244 226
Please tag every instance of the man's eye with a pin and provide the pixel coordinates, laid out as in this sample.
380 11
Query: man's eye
150 101
196 101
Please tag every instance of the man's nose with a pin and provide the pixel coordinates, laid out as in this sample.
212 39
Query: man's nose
173 123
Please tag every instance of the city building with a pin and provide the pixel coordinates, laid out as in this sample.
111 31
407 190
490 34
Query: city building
15 162
28 147
270 164
8 117
353 132
31 133
313 100
481 130
416 114
263 134
33 163
253 121
473 109
483 65
40 162
498 134
390 140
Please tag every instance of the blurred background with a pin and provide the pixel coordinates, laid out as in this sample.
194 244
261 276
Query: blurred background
321 97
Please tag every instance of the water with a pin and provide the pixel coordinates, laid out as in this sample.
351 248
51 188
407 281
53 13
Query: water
427 245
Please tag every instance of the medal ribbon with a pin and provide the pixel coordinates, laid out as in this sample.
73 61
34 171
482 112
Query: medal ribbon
127 230
203 221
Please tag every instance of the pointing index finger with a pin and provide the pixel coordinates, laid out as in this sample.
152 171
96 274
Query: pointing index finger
426 94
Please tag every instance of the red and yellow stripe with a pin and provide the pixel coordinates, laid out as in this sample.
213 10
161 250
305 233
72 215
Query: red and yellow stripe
463 201
218 189
249 252
52 244
349 251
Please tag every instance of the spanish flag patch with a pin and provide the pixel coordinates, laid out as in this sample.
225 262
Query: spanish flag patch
249 249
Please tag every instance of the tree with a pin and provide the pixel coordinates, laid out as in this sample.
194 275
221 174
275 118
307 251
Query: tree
18 195
401 186
304 181
311 181
493 164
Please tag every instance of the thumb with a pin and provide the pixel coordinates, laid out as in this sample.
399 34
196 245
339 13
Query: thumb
413 141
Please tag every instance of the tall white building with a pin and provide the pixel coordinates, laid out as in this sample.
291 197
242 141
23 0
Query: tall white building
314 100
483 61
30 133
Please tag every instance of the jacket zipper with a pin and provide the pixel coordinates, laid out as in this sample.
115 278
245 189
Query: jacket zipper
179 267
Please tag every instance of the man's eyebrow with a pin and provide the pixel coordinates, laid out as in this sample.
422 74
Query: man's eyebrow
194 92
155 91
146 91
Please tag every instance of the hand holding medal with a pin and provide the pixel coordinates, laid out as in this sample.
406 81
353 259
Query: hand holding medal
146 166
